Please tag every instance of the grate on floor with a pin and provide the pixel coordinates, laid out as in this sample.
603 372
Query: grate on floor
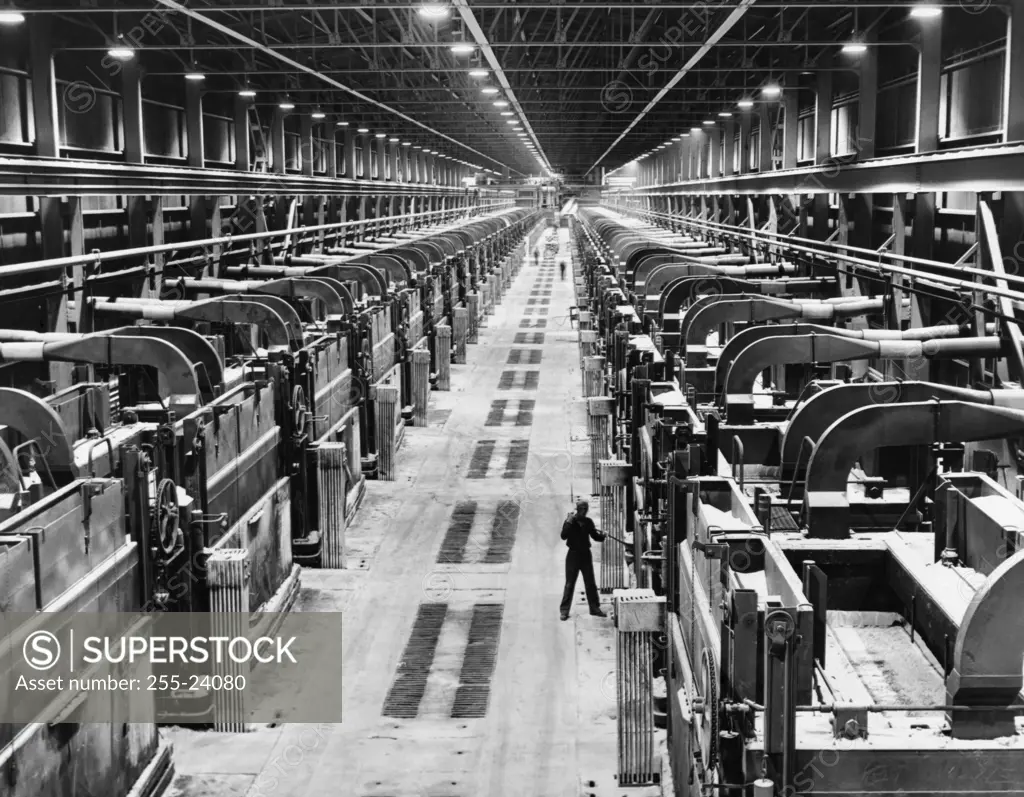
533 323
480 535
489 454
480 463
515 412
406 692
530 338
460 525
519 380
515 465
525 357
503 534
474 690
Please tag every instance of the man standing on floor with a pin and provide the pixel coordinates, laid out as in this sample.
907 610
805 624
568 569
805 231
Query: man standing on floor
577 531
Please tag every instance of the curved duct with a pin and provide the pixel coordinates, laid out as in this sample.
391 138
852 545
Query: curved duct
739 384
745 338
34 419
334 302
103 348
273 316
869 428
820 411
708 313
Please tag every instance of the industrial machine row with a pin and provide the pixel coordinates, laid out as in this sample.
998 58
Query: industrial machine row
216 436
814 456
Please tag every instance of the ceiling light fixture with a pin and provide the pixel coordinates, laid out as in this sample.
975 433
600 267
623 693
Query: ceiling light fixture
478 73
406 143
926 12
364 130
434 10
725 115
286 106
194 74
381 135
501 104
855 48
462 48
318 114
489 89
746 104
10 16
341 124
247 93
121 53
772 90
394 140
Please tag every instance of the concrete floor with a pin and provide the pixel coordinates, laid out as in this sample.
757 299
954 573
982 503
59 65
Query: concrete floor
549 728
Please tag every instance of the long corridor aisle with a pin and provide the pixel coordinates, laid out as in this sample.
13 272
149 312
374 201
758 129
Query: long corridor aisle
459 678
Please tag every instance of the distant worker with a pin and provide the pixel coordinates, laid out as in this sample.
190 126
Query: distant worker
561 269
577 531
536 256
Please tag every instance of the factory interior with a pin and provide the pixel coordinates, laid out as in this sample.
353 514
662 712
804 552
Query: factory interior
625 399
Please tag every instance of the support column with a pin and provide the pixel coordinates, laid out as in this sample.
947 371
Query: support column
44 87
867 105
729 148
382 159
331 151
243 155
746 122
196 150
928 100
131 111
765 161
791 147
306 144
349 153
823 119
929 85
716 154
277 148
395 162
1014 83
367 149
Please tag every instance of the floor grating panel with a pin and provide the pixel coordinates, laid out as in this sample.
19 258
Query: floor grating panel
403 699
519 380
493 459
480 534
473 694
514 412
525 357
530 339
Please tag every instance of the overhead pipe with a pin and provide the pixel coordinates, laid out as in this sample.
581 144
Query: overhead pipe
830 348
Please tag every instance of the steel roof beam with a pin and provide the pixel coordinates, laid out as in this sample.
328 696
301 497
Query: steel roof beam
313 71
470 20
730 22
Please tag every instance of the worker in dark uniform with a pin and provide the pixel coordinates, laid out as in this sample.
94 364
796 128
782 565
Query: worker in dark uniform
577 531
561 269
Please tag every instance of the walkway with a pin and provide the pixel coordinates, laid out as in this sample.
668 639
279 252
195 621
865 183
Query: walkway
456 571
